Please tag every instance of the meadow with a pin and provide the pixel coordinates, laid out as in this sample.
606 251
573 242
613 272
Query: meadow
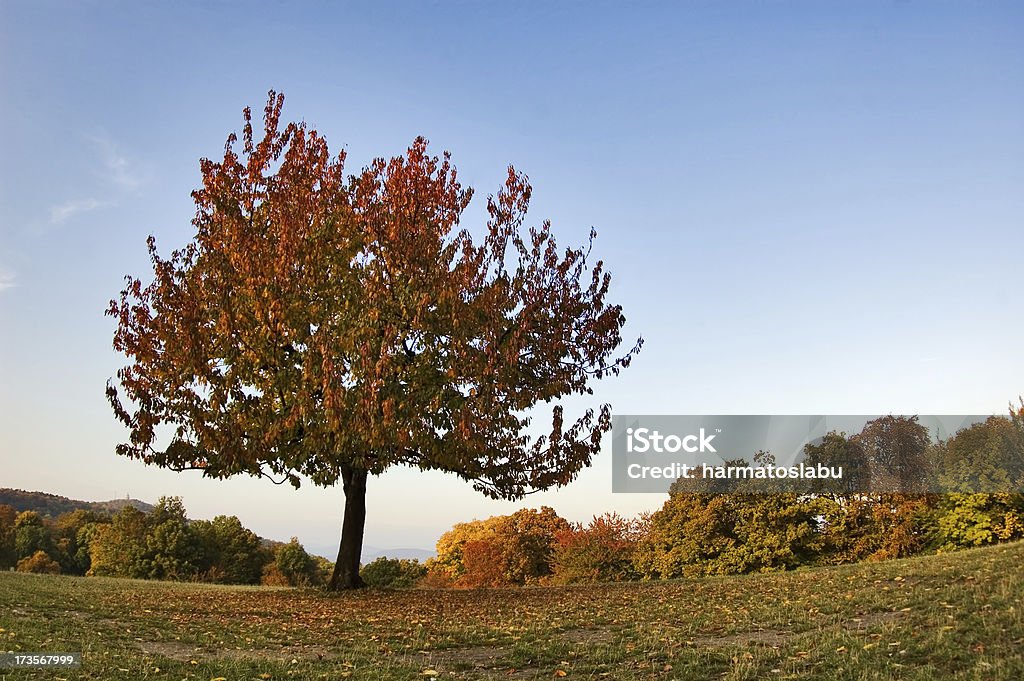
951 616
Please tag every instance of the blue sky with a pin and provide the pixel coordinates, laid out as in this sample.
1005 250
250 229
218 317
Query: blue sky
806 207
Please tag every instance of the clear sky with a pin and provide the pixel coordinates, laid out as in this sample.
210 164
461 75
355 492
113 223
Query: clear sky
807 207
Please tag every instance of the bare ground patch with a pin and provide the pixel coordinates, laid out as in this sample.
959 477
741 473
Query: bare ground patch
471 657
591 636
286 654
480 661
873 619
775 638
174 650
184 652
770 638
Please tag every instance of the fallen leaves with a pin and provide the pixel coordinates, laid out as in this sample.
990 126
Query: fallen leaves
690 628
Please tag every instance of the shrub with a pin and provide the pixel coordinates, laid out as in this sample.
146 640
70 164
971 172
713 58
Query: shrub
39 563
272 576
966 520
393 573
435 578
697 534
599 552
484 561
504 550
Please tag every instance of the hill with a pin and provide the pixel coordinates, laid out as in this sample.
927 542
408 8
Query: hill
53 505
373 552
951 616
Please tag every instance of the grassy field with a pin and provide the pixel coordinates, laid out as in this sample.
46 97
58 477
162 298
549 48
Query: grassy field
955 616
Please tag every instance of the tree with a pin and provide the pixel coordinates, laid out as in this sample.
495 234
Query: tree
483 561
897 448
84 539
686 536
879 527
171 552
71 535
836 450
30 535
8 553
327 327
297 567
229 552
985 457
982 468
118 549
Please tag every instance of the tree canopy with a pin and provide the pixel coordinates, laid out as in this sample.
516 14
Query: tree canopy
330 327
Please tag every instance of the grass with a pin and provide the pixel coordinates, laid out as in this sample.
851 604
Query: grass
952 616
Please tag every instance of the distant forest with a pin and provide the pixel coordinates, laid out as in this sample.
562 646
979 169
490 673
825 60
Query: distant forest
46 533
699 531
53 505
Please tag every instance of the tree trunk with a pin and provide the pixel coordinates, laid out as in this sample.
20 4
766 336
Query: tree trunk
346 568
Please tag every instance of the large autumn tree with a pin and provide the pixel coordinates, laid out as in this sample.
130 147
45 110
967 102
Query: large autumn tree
327 327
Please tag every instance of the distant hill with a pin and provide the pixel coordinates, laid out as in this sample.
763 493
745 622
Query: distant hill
417 554
53 505
370 553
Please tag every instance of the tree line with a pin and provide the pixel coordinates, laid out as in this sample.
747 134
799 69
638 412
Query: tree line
705 529
159 544
700 530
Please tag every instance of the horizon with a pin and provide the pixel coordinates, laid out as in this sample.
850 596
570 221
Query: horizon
805 209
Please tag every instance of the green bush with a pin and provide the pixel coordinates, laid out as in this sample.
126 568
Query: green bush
296 566
393 573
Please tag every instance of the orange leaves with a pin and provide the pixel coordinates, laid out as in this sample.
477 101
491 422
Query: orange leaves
502 550
318 321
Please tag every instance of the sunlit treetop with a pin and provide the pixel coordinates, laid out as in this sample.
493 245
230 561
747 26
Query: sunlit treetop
319 323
